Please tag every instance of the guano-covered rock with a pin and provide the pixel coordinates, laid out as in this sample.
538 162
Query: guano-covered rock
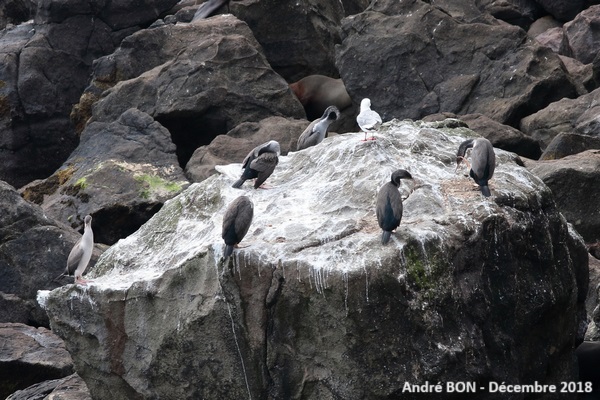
468 289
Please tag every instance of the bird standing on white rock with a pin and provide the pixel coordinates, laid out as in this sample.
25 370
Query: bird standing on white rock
80 255
236 222
317 130
259 163
367 119
389 205
483 161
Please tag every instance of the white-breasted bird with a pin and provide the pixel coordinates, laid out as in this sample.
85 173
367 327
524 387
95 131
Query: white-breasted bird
367 119
317 130
80 255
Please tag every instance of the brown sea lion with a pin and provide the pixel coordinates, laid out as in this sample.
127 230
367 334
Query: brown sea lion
317 92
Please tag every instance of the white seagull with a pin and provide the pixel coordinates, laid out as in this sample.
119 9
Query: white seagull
368 120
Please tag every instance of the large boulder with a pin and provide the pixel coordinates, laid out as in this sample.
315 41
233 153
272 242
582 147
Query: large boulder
580 38
298 37
514 12
72 388
31 126
45 67
566 144
238 142
574 183
199 80
562 10
412 59
501 136
593 301
565 116
551 38
33 251
118 15
14 12
584 76
121 173
315 307
30 355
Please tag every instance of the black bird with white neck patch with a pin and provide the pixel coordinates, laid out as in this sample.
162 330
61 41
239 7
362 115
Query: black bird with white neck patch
389 205
317 130
259 163
483 161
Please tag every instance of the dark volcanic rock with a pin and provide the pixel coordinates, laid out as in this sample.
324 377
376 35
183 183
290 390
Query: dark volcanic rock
502 136
412 60
234 146
14 12
580 36
44 69
592 303
30 355
566 144
468 289
552 38
33 251
515 12
565 116
70 388
583 75
298 37
121 174
574 183
562 10
116 14
198 80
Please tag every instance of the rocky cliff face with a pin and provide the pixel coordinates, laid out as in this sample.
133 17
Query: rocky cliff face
114 107
314 307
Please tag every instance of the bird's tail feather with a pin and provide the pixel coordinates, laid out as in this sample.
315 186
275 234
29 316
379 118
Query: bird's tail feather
60 276
228 251
385 237
238 184
485 190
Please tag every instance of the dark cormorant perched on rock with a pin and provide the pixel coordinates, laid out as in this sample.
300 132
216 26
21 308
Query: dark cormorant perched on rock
259 163
389 204
236 222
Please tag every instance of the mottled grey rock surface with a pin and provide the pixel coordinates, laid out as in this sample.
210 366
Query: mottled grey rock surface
121 173
33 251
30 355
315 301
412 59
574 183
